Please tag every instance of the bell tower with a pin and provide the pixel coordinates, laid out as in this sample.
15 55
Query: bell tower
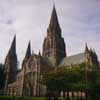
54 45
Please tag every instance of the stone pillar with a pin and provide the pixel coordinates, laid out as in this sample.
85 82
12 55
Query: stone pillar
72 95
66 94
61 93
79 94
75 95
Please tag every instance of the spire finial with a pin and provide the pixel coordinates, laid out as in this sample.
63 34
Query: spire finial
53 3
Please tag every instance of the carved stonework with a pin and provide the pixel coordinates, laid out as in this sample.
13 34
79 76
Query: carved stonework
31 76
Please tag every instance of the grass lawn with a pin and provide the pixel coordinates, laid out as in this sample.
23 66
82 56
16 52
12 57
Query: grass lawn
21 98
29 98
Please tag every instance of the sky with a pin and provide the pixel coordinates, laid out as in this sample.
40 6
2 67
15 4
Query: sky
29 20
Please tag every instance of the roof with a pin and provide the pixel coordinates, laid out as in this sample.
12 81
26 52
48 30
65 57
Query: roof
74 59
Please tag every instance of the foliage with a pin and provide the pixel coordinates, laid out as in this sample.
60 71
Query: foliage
2 76
79 77
21 98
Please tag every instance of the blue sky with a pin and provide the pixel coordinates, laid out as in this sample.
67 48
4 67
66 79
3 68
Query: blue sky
29 19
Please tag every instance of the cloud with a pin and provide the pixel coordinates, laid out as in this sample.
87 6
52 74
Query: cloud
29 19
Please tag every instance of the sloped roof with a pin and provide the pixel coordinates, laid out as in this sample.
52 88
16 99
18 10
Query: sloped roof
75 59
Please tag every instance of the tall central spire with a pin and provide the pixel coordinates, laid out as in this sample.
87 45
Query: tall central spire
54 27
54 45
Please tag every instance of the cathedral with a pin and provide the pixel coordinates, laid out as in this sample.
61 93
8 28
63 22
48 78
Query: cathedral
26 81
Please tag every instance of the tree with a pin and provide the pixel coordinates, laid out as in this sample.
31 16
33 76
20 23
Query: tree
76 78
2 76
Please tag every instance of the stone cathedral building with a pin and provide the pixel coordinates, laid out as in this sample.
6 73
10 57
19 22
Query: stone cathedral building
26 81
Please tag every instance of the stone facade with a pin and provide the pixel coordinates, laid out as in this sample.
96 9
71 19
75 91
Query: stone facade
34 66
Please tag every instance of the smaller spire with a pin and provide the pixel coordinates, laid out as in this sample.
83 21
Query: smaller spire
28 51
27 56
86 48
39 53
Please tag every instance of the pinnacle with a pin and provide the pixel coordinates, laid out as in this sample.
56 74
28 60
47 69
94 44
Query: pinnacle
39 53
28 52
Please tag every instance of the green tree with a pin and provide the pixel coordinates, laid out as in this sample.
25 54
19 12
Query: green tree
2 76
76 78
